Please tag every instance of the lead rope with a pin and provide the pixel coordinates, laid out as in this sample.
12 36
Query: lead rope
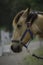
34 55
27 45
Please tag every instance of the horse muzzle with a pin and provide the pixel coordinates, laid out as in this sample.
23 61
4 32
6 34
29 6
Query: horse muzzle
16 49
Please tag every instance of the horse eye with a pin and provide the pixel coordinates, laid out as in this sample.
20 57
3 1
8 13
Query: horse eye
19 26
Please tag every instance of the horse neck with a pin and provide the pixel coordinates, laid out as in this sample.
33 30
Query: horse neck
34 29
37 26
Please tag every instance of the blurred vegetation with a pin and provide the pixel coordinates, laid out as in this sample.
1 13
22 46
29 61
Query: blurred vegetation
9 8
30 60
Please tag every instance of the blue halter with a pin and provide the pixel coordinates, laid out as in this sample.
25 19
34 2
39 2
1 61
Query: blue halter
27 30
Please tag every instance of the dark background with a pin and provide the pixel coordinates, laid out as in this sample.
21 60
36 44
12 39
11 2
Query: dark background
9 8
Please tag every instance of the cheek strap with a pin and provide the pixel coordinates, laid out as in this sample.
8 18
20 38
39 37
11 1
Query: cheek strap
23 36
27 30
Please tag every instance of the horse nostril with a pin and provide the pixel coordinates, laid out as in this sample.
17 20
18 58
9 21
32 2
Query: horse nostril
11 47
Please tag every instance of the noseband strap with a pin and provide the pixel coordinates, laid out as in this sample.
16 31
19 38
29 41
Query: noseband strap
17 41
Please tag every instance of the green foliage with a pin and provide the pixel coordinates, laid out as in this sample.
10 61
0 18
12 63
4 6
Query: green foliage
37 5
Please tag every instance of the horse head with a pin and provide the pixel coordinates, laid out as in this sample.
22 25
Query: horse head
24 28
19 28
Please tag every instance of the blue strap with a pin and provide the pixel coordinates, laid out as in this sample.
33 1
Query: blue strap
30 33
27 30
23 35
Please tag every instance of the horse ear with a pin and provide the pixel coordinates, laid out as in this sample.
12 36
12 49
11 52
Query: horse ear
26 12
16 18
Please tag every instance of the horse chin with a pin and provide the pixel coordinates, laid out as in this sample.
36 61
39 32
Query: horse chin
17 49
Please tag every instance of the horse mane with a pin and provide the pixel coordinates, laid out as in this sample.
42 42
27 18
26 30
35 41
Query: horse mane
33 16
38 12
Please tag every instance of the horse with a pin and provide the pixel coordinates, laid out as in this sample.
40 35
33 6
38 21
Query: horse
26 25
